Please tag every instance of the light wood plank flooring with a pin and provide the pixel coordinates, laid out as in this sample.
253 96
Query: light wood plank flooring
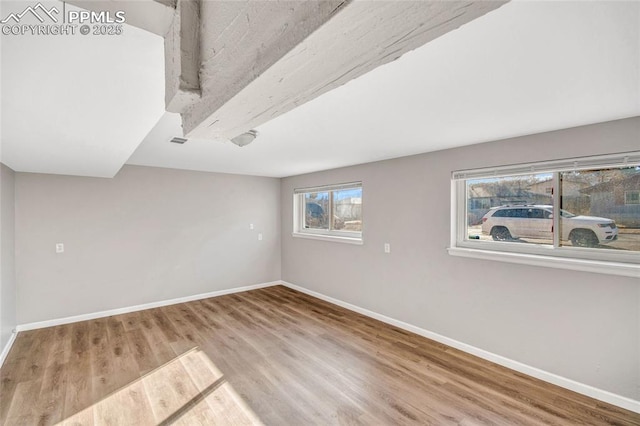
272 356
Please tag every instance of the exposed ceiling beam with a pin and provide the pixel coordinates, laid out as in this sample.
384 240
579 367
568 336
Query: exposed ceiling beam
182 57
232 65
261 59
239 41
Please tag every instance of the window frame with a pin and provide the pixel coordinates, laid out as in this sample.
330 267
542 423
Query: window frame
552 255
299 208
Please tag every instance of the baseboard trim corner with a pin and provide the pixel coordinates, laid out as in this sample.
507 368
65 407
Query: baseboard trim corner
7 347
135 308
584 389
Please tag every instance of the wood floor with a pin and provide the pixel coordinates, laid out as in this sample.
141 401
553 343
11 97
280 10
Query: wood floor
272 356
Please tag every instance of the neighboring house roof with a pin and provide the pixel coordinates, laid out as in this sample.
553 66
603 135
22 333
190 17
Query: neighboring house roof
478 191
491 190
566 178
541 182
571 185
629 183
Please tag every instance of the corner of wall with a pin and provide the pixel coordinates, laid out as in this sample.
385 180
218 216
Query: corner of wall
8 318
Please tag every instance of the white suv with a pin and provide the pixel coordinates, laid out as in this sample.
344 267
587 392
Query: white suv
536 221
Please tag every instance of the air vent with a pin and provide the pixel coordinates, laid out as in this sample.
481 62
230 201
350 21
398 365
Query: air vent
178 140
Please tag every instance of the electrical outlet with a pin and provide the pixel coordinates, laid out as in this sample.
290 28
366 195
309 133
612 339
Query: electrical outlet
59 248
259 237
387 248
251 226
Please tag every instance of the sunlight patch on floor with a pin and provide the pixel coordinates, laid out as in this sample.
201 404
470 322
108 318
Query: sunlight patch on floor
188 390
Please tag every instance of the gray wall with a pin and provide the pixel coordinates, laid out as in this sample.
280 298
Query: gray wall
7 270
582 326
147 235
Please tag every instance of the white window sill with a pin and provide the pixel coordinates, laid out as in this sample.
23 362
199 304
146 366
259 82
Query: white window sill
333 238
600 267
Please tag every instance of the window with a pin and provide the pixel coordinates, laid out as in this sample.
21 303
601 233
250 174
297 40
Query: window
331 212
559 213
632 197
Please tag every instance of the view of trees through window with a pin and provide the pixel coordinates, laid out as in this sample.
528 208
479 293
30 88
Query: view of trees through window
337 210
316 210
598 208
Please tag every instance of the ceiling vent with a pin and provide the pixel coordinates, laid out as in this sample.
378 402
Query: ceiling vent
178 140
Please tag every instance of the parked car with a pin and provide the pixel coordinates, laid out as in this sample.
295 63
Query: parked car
506 223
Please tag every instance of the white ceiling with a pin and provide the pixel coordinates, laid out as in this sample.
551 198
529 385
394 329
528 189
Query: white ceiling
81 105
524 68
78 105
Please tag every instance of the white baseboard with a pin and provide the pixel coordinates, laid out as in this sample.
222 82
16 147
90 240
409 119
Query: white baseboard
602 395
126 310
7 347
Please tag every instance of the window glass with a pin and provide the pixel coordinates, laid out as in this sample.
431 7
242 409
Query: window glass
511 208
601 215
347 210
582 212
536 214
632 197
332 211
316 210
599 209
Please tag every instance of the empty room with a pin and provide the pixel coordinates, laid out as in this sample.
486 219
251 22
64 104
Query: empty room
361 212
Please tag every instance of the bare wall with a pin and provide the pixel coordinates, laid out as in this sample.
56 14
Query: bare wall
147 235
582 326
7 269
